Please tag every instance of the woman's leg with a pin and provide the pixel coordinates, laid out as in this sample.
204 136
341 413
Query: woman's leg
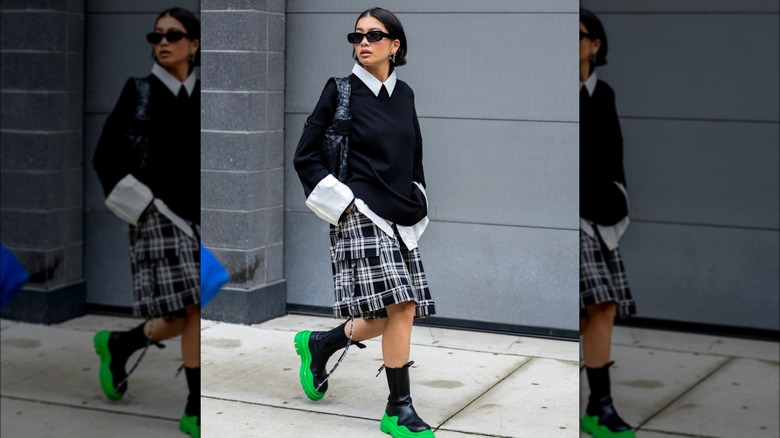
190 337
597 334
190 351
160 329
397 334
365 328
600 415
400 418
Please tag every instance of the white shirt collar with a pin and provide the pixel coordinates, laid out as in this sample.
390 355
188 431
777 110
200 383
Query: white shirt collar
590 83
171 82
372 82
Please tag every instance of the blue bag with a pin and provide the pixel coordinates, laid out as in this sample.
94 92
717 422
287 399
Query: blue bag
12 276
212 276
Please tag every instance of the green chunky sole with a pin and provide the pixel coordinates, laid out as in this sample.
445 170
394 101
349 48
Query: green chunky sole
390 425
305 375
590 425
106 378
189 425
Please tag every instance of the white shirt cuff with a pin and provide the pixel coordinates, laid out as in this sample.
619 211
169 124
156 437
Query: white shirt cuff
411 235
129 199
329 199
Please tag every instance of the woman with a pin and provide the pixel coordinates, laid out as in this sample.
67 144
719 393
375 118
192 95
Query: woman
377 215
604 289
148 162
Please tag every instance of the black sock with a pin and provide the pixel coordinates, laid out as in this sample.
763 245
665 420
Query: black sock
193 399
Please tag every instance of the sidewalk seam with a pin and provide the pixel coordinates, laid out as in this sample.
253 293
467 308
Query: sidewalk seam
687 391
482 394
88 408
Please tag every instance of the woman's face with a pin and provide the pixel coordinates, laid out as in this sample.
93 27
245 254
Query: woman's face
378 53
173 55
588 47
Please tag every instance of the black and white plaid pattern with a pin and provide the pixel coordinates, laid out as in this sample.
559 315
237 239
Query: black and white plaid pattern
372 270
166 268
602 277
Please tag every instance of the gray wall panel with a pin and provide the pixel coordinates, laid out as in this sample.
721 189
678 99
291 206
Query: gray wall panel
355 7
711 275
500 78
307 260
510 173
685 6
94 199
107 266
700 123
703 172
526 275
145 6
704 66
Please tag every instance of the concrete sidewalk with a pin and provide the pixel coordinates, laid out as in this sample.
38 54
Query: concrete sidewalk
675 385
465 384
49 384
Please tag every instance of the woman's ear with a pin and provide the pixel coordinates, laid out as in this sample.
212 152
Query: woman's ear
194 46
596 46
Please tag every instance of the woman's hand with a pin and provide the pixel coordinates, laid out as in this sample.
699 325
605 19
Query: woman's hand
348 210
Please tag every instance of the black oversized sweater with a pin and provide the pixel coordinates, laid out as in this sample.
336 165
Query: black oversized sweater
601 158
385 150
171 166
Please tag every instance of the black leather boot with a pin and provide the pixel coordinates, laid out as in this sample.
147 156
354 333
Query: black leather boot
400 419
315 348
114 348
601 420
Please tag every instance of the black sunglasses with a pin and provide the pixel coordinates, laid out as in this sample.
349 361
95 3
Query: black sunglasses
172 36
584 35
372 37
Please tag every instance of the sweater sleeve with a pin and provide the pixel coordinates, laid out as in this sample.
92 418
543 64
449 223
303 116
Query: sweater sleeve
418 173
325 195
112 160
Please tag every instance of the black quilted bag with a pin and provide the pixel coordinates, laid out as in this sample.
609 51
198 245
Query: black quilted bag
335 143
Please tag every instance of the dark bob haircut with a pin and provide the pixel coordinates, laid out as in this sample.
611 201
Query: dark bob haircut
596 31
191 26
394 28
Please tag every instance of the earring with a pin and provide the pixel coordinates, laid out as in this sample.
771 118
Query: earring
593 58
392 58
191 58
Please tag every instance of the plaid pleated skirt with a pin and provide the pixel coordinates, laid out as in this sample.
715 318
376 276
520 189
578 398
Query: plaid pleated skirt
372 271
603 277
166 268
